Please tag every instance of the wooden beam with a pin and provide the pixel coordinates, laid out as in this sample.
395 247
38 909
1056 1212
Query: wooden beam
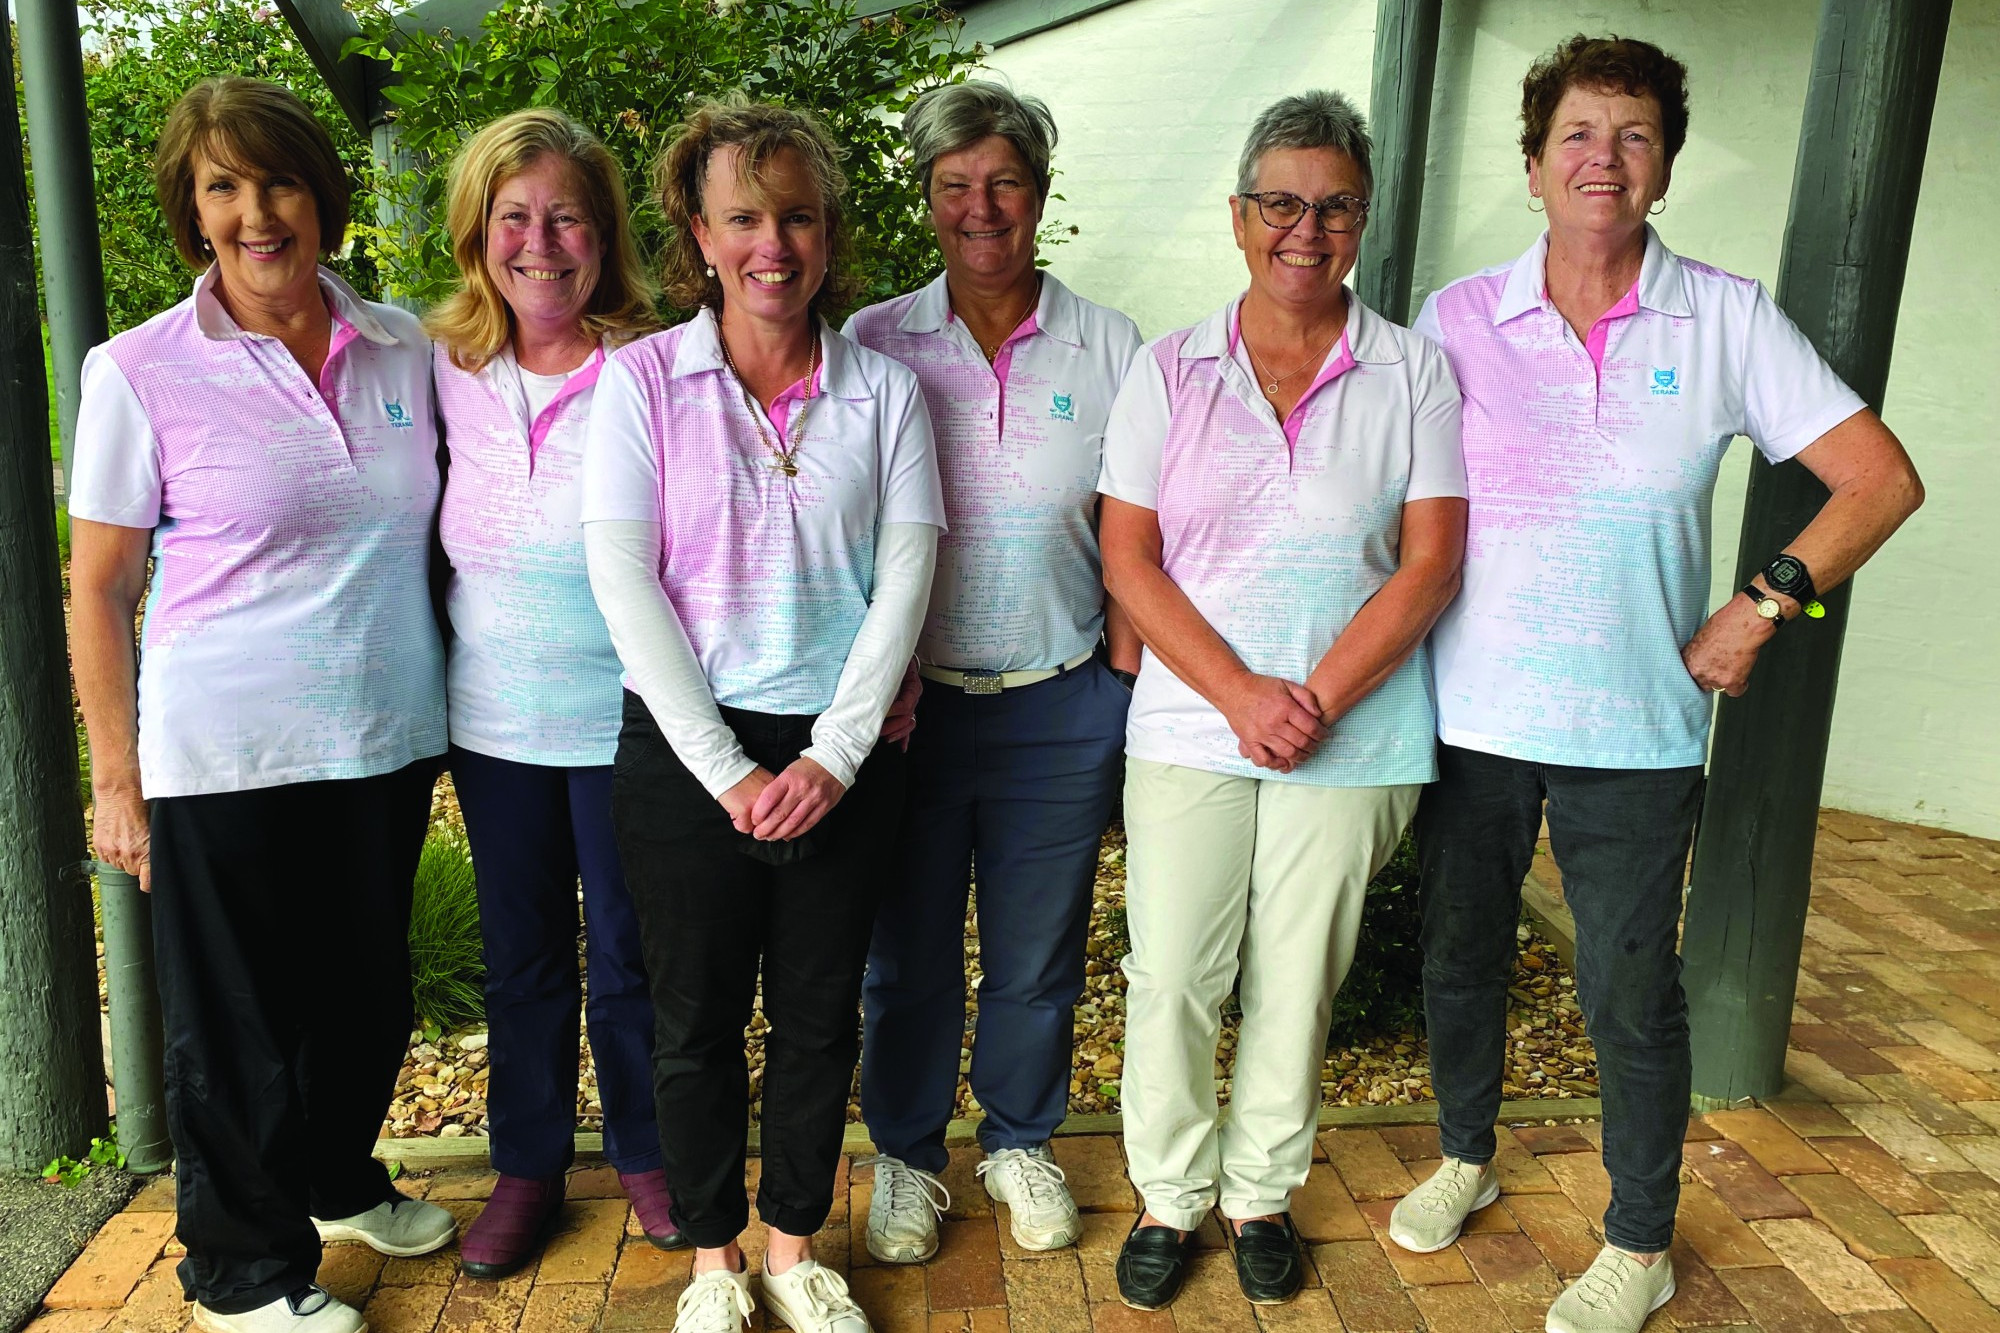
323 27
997 22
1399 115
1847 241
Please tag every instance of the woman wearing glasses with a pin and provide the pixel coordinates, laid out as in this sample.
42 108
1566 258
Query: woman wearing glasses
1283 520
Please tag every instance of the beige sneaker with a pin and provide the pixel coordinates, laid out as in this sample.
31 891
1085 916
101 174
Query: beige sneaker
1430 1216
811 1299
308 1310
717 1301
1614 1295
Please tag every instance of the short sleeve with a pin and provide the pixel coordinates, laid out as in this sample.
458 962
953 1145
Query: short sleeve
911 489
1791 396
621 477
1427 320
1437 450
1135 435
115 466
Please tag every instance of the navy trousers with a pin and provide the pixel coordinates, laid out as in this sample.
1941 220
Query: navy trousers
534 830
1020 785
1621 838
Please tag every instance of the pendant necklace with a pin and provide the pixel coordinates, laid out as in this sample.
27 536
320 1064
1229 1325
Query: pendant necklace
1034 300
1271 386
783 458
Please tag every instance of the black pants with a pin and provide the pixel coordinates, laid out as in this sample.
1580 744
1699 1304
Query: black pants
708 916
281 917
1620 837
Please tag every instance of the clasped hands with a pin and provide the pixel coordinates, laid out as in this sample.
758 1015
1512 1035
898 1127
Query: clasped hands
779 807
1277 721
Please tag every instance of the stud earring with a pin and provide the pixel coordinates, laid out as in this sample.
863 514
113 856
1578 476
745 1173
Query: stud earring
711 270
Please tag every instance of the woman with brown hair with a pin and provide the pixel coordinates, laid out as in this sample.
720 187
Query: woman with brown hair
761 513
549 279
265 765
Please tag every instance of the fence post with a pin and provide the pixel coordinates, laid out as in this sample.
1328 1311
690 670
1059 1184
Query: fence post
51 1055
1399 117
1847 242
138 1041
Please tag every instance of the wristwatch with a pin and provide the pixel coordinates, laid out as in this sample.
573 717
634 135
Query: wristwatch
1126 678
1788 576
1767 606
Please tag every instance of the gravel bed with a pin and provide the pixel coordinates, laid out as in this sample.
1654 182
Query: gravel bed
442 1090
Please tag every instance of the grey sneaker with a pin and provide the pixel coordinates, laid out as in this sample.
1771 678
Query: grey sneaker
1614 1295
903 1212
1430 1216
308 1310
399 1227
1039 1208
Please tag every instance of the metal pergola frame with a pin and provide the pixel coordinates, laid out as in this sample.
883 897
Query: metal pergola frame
1860 161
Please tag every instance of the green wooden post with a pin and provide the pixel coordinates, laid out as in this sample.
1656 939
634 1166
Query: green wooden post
51 1056
1847 243
1399 116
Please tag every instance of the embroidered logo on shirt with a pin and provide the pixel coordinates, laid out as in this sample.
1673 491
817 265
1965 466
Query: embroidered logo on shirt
1062 407
1666 382
399 416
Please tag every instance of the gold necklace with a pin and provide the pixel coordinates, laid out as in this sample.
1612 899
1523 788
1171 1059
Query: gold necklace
1313 360
783 459
1034 300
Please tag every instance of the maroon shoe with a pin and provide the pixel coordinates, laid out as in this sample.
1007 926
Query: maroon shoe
510 1230
650 1200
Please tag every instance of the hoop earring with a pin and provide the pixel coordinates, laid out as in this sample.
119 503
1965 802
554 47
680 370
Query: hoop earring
1531 206
1656 211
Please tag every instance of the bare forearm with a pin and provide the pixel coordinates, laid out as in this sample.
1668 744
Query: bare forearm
1382 635
1168 623
1121 637
106 669
1853 524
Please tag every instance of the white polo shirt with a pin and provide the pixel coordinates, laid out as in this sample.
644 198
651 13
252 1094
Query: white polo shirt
1020 583
1592 469
1278 532
770 575
288 633
531 676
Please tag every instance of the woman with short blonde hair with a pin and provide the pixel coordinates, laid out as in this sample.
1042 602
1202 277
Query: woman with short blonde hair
550 281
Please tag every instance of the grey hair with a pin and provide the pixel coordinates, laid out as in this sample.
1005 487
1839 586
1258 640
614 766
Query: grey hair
958 115
1319 119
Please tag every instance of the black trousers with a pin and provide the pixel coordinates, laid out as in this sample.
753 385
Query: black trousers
1620 837
281 918
709 916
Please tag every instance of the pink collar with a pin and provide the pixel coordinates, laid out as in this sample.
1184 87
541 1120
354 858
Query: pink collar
583 378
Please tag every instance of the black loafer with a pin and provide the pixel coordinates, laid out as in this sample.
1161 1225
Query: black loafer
1151 1266
1269 1266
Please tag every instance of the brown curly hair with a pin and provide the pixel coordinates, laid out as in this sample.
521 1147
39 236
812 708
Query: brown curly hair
760 130
1612 64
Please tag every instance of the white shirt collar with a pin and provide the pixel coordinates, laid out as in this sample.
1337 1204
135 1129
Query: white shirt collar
1661 286
1368 336
215 322
1056 312
700 352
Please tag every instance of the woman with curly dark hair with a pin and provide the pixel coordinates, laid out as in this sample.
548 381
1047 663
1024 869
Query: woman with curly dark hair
761 513
1604 378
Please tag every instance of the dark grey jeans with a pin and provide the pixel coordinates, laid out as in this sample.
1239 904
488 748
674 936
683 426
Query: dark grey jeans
1620 837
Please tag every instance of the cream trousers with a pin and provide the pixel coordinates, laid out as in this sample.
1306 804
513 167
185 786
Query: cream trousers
1228 874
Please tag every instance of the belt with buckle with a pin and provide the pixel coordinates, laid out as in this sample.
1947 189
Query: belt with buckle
993 682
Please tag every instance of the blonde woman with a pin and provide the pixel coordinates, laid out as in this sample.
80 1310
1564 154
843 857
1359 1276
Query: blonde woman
550 278
761 511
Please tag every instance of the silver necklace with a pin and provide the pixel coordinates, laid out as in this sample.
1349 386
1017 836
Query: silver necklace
1272 386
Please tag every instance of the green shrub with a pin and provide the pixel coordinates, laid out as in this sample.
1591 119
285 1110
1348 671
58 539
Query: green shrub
628 71
446 967
1384 990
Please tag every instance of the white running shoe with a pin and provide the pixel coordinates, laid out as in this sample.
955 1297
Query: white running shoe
401 1228
1430 1216
903 1212
1614 1295
307 1310
717 1301
812 1299
1040 1210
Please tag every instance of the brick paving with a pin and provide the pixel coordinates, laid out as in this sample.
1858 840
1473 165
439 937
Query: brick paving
1864 1199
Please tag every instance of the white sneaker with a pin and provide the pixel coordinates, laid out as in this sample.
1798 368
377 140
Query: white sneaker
307 1310
903 1212
1614 1295
399 1227
717 1301
1040 1210
812 1299
1430 1216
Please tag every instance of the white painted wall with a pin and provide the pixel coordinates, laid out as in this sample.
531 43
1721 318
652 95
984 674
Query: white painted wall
1154 96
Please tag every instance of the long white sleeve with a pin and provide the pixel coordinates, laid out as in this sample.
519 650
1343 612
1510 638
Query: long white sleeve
905 559
624 560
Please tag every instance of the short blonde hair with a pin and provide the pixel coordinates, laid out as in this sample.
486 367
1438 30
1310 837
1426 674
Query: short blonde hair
760 130
474 322
246 125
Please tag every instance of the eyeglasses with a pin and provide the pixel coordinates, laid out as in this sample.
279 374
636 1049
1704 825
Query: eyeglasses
1337 212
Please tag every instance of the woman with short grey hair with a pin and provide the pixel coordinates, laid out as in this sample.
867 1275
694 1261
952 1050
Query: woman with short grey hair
1016 755
1284 516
